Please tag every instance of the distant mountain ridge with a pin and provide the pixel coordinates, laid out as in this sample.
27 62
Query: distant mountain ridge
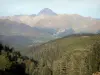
47 25
46 18
19 34
76 22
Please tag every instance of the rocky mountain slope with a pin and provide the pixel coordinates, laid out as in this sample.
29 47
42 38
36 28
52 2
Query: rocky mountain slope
74 21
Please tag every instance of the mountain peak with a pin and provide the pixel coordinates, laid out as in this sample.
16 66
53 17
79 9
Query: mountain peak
46 11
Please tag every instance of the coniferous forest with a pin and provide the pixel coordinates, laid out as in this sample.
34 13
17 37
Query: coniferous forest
52 60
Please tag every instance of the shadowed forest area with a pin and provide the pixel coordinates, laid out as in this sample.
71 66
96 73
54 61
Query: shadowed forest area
13 63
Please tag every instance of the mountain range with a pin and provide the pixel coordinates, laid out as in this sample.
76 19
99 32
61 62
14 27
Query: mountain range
57 21
47 25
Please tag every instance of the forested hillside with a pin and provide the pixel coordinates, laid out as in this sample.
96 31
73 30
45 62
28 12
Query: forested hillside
74 55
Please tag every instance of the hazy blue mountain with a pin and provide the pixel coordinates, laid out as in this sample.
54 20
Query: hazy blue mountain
16 41
47 11
19 34
8 27
45 30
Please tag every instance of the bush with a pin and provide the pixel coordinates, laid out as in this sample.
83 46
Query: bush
4 62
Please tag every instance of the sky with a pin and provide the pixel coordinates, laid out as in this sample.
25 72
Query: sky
27 7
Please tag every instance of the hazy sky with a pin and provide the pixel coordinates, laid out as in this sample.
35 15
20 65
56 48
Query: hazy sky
82 7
